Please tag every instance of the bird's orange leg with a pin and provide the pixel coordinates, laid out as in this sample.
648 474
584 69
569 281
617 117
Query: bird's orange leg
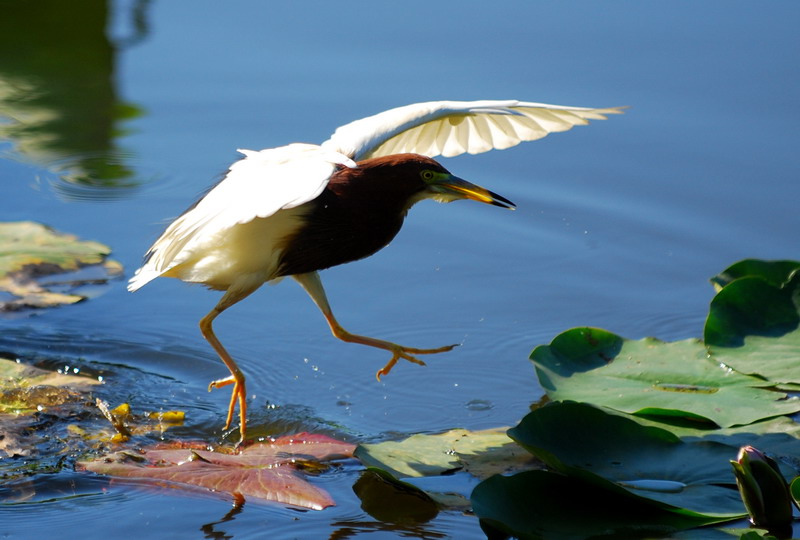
239 393
398 351
313 286
236 378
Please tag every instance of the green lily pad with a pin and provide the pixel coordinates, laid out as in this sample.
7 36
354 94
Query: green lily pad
651 377
777 437
781 447
753 326
445 466
30 252
774 272
620 455
543 504
794 489
481 453
733 436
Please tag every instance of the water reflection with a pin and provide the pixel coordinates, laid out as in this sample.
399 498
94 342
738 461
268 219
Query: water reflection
210 529
58 92
353 529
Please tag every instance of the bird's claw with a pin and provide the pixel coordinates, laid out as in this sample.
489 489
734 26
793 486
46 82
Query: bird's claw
238 395
219 383
390 364
399 352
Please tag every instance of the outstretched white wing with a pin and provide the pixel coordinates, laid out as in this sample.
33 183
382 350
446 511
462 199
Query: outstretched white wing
266 182
450 128
257 186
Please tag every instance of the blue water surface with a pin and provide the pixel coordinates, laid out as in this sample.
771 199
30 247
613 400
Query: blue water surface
619 224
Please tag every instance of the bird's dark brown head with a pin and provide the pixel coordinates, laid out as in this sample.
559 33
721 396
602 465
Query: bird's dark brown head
401 180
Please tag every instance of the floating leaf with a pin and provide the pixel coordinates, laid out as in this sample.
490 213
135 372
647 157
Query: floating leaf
734 436
753 326
774 272
543 504
263 471
624 457
777 437
446 466
619 462
168 417
30 251
26 389
757 534
15 374
482 453
723 533
651 377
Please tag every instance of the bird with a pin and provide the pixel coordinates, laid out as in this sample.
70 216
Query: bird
301 208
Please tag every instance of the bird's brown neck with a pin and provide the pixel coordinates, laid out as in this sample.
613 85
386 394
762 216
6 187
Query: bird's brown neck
359 212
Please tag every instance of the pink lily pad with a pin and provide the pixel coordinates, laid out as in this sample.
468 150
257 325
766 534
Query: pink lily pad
261 471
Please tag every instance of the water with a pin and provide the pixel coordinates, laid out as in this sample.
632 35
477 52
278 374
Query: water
619 224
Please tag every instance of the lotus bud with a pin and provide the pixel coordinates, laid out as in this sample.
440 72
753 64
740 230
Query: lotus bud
764 491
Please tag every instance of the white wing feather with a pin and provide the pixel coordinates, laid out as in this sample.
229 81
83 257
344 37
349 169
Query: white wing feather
450 128
257 186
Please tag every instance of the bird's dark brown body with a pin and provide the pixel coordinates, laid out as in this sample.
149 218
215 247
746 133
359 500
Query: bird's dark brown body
359 212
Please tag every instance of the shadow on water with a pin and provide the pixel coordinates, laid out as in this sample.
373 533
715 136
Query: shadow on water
58 95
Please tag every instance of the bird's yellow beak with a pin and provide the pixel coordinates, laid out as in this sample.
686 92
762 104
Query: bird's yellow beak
448 187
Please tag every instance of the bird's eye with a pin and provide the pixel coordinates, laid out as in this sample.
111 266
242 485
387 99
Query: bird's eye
427 175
